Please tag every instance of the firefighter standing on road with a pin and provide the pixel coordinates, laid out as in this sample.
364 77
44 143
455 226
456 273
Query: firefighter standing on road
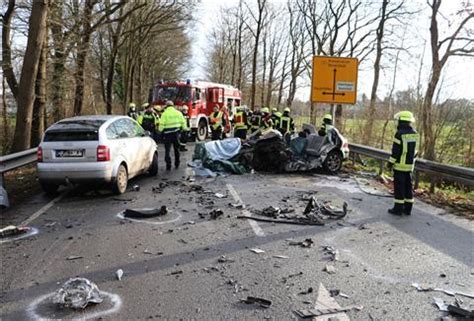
286 125
275 116
217 123
240 123
132 111
326 126
404 150
183 137
172 122
149 121
255 121
266 119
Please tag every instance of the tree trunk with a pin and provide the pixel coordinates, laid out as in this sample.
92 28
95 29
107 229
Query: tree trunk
26 88
82 55
313 114
7 67
428 141
39 107
373 96
338 116
6 122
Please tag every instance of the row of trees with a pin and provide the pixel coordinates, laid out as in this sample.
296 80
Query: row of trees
86 56
280 41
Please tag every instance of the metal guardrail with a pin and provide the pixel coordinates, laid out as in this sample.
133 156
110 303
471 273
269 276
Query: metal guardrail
463 175
10 162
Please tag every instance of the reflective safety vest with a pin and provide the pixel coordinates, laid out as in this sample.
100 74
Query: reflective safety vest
239 122
148 121
284 124
216 120
172 120
404 149
256 121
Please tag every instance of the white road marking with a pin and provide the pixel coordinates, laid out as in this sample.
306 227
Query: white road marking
42 210
255 227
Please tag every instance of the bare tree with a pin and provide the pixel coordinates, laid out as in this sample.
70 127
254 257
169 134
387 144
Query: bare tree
39 106
7 67
36 33
456 44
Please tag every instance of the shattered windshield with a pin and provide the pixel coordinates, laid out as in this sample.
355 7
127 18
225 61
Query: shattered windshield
174 93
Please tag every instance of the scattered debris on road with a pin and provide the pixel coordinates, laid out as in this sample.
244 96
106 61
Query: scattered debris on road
77 293
220 195
224 259
258 251
274 212
264 303
306 243
74 257
136 188
281 256
12 230
440 304
318 209
119 274
308 291
318 312
145 213
238 206
422 288
330 269
331 253
214 214
176 272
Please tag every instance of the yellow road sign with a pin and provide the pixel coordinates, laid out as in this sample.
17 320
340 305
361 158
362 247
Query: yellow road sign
334 80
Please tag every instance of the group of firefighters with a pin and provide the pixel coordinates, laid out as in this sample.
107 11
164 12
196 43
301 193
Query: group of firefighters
170 125
245 120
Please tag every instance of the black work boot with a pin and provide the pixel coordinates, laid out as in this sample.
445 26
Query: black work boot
396 210
408 208
168 167
176 165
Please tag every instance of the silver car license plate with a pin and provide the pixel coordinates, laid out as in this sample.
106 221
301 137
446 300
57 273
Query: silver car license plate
69 153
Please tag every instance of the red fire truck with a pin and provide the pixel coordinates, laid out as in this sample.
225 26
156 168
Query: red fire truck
200 97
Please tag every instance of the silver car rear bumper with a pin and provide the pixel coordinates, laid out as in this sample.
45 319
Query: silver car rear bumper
59 173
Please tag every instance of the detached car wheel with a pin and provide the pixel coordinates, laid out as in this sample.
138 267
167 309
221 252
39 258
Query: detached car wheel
49 188
202 130
153 170
333 162
121 180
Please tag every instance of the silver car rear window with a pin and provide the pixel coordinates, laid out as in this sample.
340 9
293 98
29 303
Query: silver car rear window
74 130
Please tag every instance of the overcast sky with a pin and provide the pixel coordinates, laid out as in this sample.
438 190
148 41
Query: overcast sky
458 76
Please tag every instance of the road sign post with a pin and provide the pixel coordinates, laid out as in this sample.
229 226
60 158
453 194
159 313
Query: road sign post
334 80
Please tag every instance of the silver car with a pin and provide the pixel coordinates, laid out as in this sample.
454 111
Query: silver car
95 149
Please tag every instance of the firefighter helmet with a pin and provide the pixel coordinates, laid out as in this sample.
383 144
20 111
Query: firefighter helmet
145 105
287 109
274 110
265 110
328 117
169 103
405 116
132 105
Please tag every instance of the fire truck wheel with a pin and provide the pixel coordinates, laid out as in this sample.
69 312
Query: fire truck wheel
202 130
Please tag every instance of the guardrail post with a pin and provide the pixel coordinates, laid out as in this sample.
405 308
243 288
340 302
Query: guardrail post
433 180
382 165
1 180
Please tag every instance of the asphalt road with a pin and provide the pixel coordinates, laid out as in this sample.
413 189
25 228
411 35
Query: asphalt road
171 264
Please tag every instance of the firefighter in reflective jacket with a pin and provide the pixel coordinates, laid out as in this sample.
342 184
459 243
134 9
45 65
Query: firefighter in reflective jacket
286 125
240 123
326 126
256 120
172 122
132 111
402 160
149 121
217 123
266 122
275 116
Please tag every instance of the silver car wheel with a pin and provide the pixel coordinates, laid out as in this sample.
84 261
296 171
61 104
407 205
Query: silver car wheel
333 162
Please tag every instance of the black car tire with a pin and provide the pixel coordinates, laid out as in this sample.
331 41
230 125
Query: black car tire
153 170
333 162
121 180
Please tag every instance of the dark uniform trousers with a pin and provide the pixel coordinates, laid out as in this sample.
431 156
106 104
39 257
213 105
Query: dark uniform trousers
241 133
403 191
171 139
